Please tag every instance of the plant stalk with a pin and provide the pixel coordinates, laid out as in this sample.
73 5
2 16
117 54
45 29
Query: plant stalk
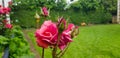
54 52
42 52
61 53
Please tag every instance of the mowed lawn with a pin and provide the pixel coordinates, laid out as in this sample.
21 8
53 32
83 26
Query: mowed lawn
98 41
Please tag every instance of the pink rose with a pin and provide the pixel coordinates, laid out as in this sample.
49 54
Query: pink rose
9 26
5 10
47 34
66 37
1 11
45 11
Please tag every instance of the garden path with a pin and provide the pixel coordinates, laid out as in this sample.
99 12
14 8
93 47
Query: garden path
31 44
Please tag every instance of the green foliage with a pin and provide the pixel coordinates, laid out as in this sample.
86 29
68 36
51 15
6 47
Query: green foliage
91 5
89 11
60 5
99 17
23 4
86 5
26 20
32 4
19 47
18 44
17 32
94 17
110 5
3 40
47 3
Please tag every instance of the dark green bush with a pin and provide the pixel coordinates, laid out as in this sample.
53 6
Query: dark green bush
94 17
100 17
27 20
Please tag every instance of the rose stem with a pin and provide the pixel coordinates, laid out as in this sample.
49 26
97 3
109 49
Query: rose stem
55 48
63 52
54 52
42 52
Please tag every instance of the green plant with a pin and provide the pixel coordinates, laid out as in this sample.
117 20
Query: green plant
18 44
3 42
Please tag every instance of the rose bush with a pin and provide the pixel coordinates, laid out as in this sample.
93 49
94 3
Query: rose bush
55 35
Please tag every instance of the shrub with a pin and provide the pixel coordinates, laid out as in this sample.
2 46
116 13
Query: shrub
18 46
25 18
100 17
96 17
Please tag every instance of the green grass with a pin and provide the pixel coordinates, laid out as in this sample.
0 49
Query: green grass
99 41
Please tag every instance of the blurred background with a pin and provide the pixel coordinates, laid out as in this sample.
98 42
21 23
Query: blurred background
78 11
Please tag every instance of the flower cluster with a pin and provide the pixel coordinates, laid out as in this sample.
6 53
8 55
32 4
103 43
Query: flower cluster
49 33
4 10
4 22
55 34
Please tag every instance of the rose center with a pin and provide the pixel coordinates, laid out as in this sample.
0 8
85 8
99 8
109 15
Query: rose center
47 34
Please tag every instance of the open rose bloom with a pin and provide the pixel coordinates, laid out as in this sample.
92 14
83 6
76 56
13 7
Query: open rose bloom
49 34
